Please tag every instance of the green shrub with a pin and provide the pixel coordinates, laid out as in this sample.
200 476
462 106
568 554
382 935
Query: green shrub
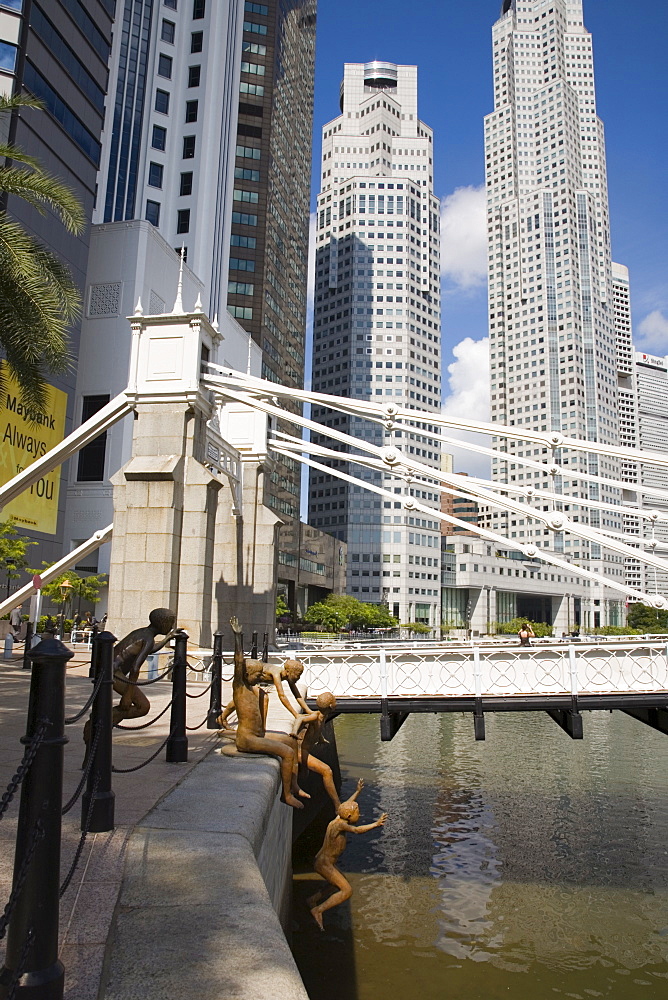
540 629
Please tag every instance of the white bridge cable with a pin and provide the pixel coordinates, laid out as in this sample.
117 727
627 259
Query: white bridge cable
551 439
530 551
554 520
111 413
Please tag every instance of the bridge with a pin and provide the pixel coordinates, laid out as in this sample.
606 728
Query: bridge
561 679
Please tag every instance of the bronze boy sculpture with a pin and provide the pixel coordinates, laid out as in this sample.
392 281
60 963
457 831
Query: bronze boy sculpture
332 848
249 702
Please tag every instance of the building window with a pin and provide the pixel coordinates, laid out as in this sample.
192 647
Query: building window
243 241
251 88
251 196
172 4
186 186
91 458
240 288
255 68
162 102
194 73
248 152
242 219
168 31
183 220
241 264
240 312
153 213
182 252
244 174
159 137
196 41
199 7
256 29
188 147
255 47
256 8
155 172
191 111
165 66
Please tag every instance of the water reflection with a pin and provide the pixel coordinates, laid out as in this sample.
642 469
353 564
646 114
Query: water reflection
526 866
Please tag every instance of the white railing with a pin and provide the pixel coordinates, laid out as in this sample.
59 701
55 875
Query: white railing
500 671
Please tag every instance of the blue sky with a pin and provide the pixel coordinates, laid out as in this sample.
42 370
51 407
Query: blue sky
451 44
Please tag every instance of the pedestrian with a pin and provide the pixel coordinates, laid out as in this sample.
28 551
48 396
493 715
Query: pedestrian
15 619
526 633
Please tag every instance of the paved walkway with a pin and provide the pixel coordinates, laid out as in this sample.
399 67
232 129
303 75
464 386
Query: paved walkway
87 907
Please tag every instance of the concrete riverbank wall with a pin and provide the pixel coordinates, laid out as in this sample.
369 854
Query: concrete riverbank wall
207 885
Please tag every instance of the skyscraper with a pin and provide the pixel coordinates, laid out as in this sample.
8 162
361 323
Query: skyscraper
552 339
59 53
266 289
376 329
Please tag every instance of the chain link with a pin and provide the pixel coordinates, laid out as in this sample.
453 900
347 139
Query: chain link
134 729
201 694
30 936
80 714
37 834
82 839
84 776
24 766
129 770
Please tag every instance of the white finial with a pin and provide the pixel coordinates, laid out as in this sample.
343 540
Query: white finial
139 309
198 304
215 323
178 303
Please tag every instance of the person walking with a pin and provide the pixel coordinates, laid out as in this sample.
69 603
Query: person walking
15 620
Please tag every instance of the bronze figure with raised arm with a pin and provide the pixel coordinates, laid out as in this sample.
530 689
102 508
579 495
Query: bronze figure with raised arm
333 846
129 656
249 703
291 671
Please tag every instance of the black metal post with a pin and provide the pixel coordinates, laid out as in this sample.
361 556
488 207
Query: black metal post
91 672
177 744
254 646
216 696
37 905
265 648
98 786
27 645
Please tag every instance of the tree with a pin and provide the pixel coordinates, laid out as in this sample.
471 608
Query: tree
540 629
646 619
340 611
38 298
282 609
417 628
13 548
85 588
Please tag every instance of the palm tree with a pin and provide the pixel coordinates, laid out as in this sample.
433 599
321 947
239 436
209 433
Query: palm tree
38 298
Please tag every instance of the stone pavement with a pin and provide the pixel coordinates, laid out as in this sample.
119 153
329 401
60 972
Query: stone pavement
88 906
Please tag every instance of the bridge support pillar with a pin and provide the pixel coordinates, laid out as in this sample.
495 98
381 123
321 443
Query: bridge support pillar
570 721
655 718
390 722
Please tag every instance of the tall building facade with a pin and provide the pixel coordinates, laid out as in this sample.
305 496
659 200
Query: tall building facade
59 53
267 282
376 328
552 339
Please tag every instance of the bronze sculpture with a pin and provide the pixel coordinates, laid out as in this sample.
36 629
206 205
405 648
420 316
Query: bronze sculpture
332 848
312 724
129 656
250 705
291 671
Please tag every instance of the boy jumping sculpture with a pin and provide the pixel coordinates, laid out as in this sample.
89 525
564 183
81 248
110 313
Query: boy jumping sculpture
312 723
332 848
249 704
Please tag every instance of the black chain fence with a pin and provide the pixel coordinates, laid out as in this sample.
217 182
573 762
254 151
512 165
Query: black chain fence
24 767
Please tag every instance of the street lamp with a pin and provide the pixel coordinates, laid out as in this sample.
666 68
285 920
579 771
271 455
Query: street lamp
65 592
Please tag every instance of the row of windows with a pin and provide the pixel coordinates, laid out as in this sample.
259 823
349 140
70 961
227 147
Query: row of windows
162 106
159 141
168 34
156 174
152 215
241 264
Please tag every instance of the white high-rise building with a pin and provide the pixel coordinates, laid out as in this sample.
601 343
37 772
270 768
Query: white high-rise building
552 339
376 328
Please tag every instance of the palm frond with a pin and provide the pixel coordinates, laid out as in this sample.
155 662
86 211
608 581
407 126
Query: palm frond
40 189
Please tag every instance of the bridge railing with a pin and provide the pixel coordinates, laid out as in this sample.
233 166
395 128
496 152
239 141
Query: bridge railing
475 671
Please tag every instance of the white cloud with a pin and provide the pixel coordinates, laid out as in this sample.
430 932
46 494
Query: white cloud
468 379
652 334
464 237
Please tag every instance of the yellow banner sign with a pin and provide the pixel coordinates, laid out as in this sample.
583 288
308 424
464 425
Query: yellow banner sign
25 437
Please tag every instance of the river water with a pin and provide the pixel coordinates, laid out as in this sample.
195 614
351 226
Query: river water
529 866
